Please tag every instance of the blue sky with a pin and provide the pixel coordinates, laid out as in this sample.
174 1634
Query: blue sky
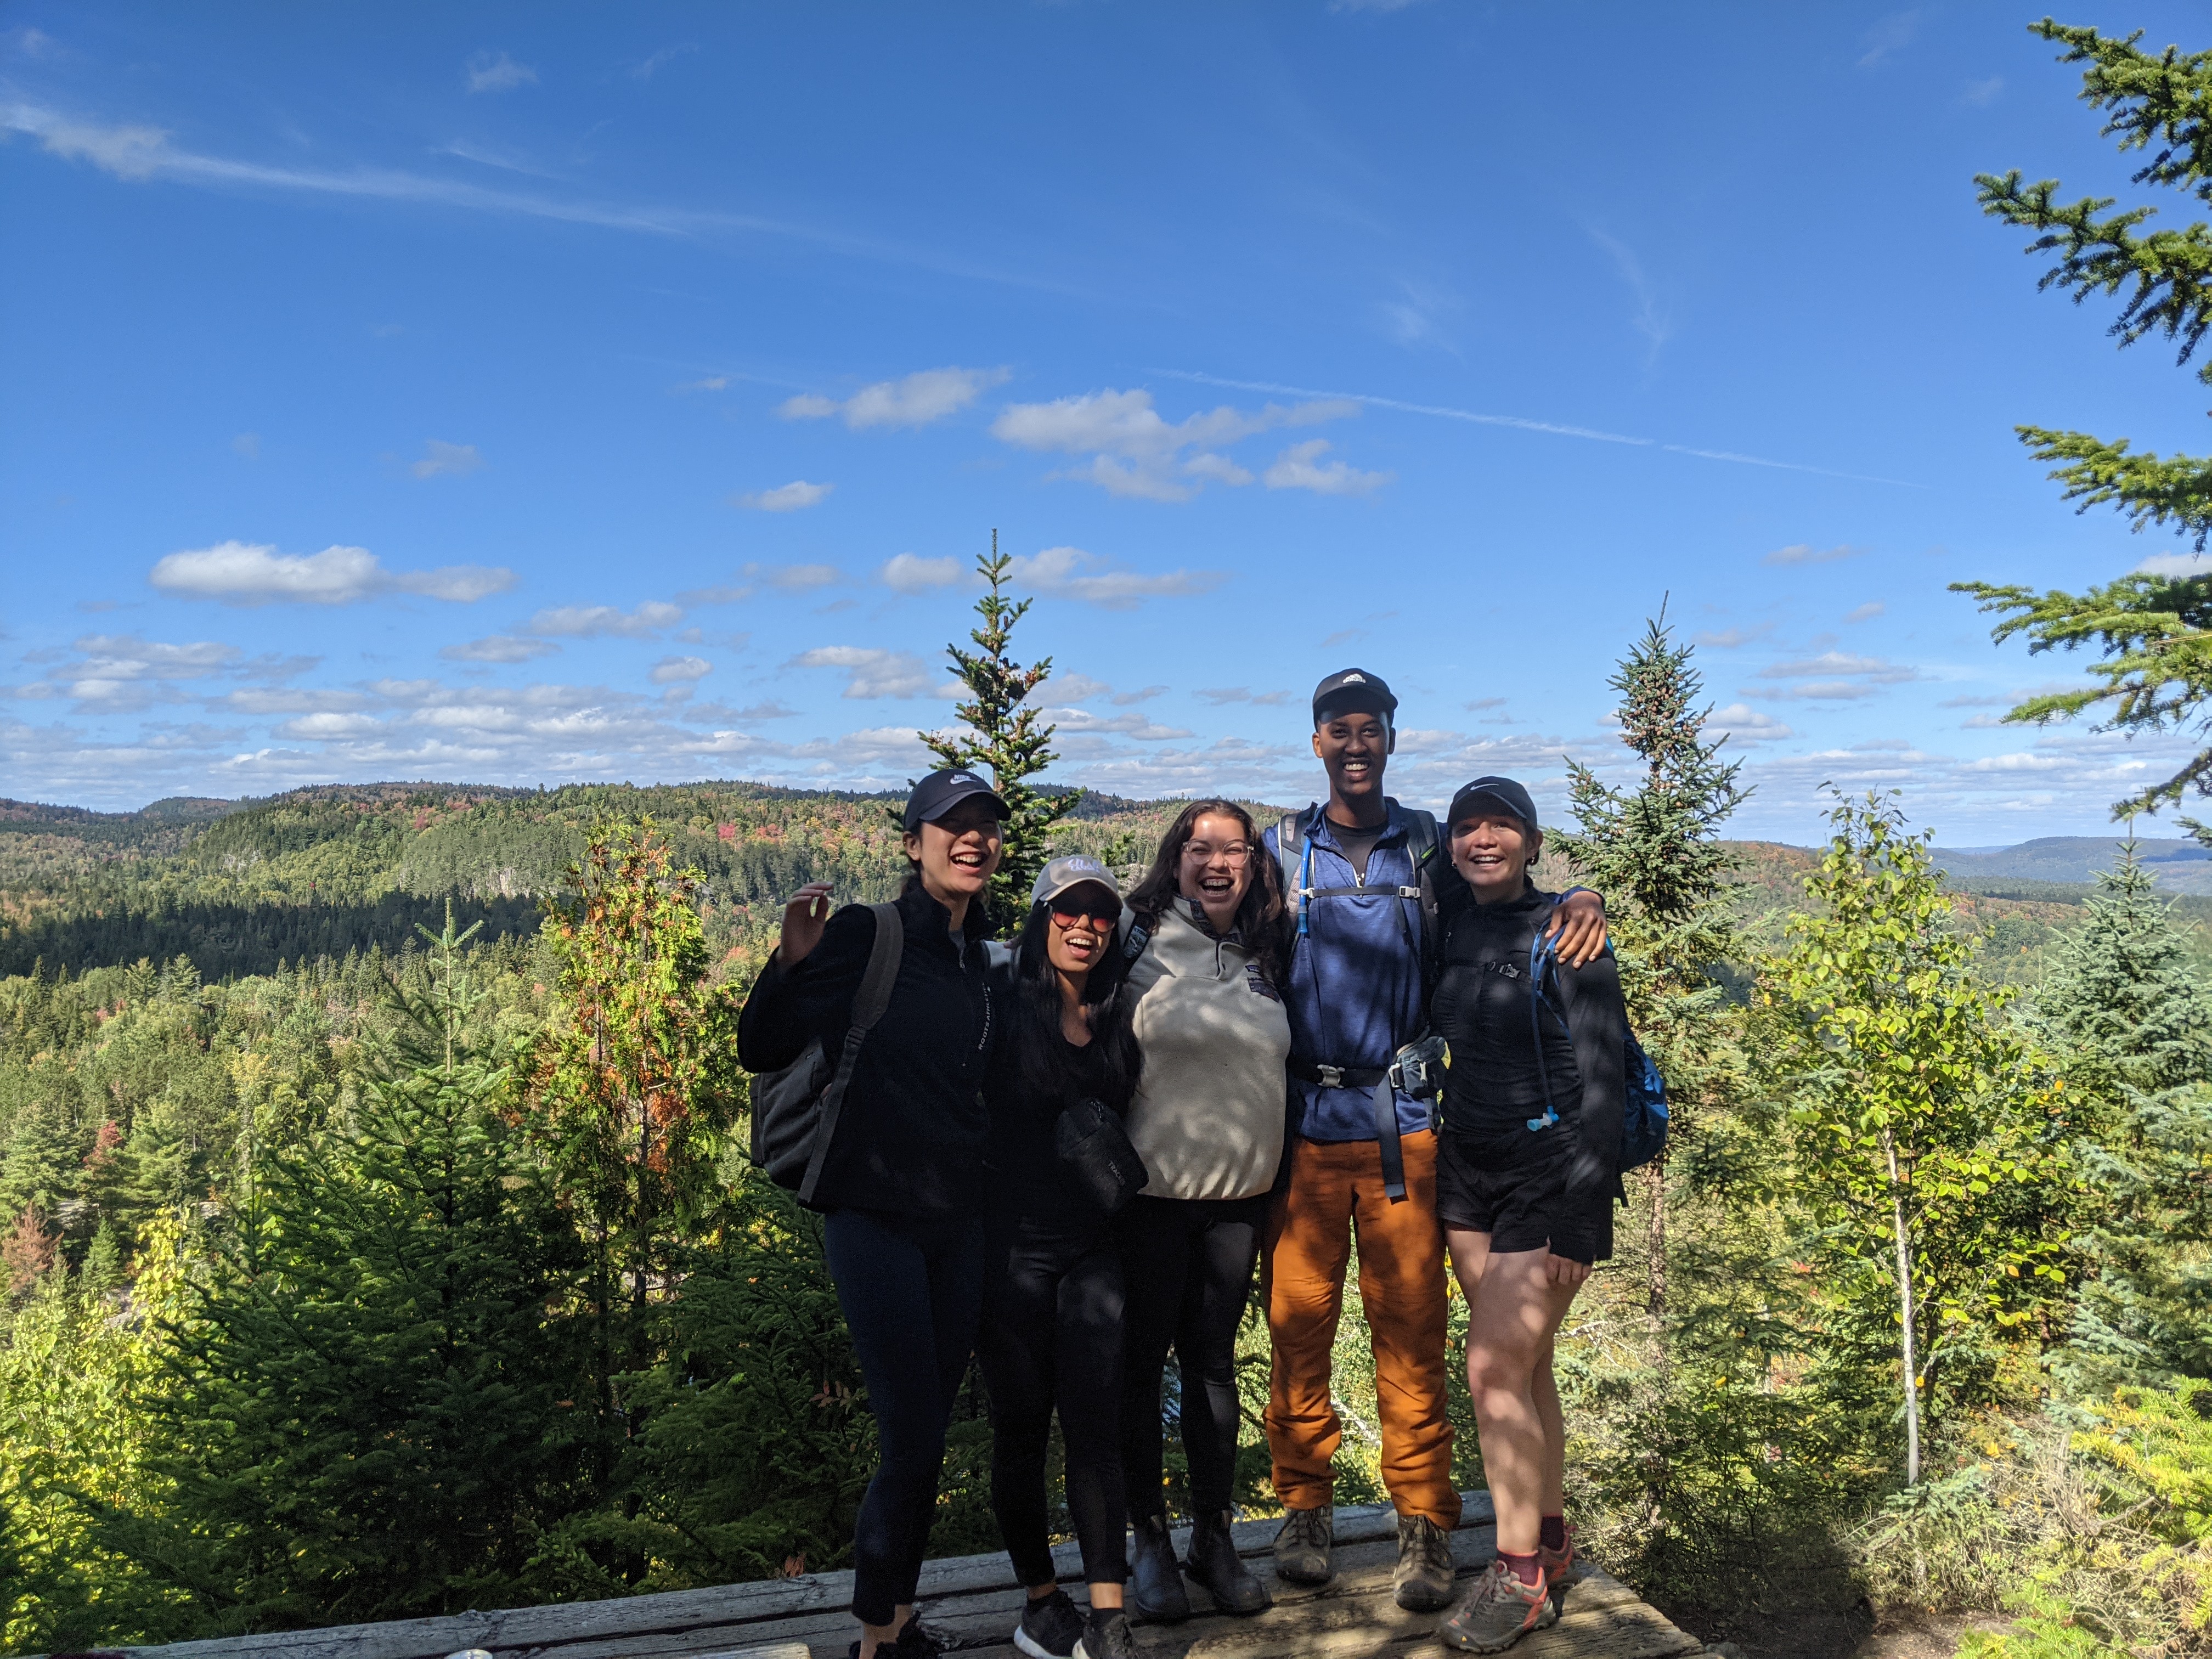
524 394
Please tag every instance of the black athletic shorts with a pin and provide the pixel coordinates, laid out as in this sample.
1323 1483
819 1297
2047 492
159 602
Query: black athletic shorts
1515 1190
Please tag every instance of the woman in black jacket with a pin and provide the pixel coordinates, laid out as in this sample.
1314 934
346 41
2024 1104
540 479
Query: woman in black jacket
1053 1298
1528 1169
901 1182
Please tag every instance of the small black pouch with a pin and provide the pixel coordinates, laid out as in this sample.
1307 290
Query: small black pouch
1095 1151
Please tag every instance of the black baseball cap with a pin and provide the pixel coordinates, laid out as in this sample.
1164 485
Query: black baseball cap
1352 691
1499 794
944 789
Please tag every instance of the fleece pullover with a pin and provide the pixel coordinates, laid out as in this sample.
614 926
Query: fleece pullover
1207 1119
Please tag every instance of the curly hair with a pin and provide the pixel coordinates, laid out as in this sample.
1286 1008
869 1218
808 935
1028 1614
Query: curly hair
1260 915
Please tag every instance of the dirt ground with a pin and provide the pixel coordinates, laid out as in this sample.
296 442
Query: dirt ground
1848 1633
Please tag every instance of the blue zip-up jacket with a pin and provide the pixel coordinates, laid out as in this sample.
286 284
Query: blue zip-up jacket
1358 990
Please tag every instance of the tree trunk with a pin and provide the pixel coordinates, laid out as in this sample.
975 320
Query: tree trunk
1905 1311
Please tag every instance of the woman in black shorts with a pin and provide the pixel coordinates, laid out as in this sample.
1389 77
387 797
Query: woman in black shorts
1526 1174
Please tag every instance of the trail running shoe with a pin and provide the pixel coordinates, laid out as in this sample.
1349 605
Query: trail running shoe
1301 1546
1423 1583
1049 1628
1107 1636
1497 1612
1559 1564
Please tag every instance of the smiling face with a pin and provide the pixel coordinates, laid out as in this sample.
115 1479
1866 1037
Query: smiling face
1354 747
1216 866
1080 928
958 852
1493 851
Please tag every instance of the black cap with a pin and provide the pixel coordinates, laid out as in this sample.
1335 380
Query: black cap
1352 691
941 791
1500 794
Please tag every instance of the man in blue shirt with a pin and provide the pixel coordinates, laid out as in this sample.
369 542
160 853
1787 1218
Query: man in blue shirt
1360 874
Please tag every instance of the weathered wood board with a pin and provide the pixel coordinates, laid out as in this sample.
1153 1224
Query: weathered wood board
972 1603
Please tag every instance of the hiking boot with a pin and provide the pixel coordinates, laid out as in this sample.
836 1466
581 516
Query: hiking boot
1107 1636
1213 1562
1423 1583
1497 1612
916 1642
1050 1627
1301 1546
1157 1581
1559 1564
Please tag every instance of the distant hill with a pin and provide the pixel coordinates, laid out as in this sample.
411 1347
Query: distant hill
2183 866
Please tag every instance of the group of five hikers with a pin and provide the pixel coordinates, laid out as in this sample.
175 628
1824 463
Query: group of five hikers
1067 1157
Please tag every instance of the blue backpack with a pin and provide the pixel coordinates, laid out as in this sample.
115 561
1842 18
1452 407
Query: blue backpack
1644 1124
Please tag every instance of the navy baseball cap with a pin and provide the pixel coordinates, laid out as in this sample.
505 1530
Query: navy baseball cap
1494 794
944 789
1352 691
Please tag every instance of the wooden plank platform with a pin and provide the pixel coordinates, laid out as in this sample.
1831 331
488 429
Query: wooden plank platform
972 1603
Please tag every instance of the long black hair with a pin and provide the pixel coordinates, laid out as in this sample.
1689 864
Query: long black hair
1258 915
1034 1041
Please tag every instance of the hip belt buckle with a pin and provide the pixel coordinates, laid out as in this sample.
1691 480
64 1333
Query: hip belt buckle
1330 1077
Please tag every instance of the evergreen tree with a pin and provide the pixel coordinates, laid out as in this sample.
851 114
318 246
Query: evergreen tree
2154 632
1922 1153
2133 1024
370 1410
1005 737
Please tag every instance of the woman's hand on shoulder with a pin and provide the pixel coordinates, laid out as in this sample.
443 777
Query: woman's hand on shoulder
1577 927
1564 1270
804 918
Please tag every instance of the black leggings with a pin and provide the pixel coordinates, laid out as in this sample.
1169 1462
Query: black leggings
912 1289
1052 1336
1188 1265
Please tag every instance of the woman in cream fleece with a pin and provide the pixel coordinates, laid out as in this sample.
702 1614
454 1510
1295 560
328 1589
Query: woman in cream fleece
1207 1119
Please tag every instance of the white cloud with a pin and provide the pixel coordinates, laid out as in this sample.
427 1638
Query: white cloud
1866 613
1728 639
1067 688
908 573
1139 728
1806 553
1069 573
2175 564
670 670
247 445
1982 93
795 578
1839 663
497 72
1892 33
917 400
498 647
1231 694
2016 763
241 573
874 673
645 70
787 498
322 727
1300 467
1740 723
444 460
1135 453
586 622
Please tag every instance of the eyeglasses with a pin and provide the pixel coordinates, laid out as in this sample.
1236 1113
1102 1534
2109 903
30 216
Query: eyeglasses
1098 922
1204 852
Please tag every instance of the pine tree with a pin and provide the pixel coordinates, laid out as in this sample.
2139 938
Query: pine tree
370 1409
1005 737
2133 1025
2154 632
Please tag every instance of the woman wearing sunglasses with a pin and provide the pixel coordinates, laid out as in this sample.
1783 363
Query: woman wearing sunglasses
1053 1302
900 1181
1528 1170
1207 1120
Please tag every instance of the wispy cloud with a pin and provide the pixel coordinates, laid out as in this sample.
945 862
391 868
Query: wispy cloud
587 622
1069 573
1730 639
254 574
1834 677
916 400
1221 695
870 673
909 573
645 68
1650 318
444 460
2176 564
498 648
786 498
1806 553
497 72
1892 33
1135 453
1866 613
1554 429
1740 723
1300 467
1983 93
679 670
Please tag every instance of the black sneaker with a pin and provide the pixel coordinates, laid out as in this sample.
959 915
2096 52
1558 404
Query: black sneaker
1107 1636
916 1642
1050 1627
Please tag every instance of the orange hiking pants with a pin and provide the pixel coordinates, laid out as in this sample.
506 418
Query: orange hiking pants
1336 1190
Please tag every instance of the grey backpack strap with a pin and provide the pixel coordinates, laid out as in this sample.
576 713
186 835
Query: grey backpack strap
868 1004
